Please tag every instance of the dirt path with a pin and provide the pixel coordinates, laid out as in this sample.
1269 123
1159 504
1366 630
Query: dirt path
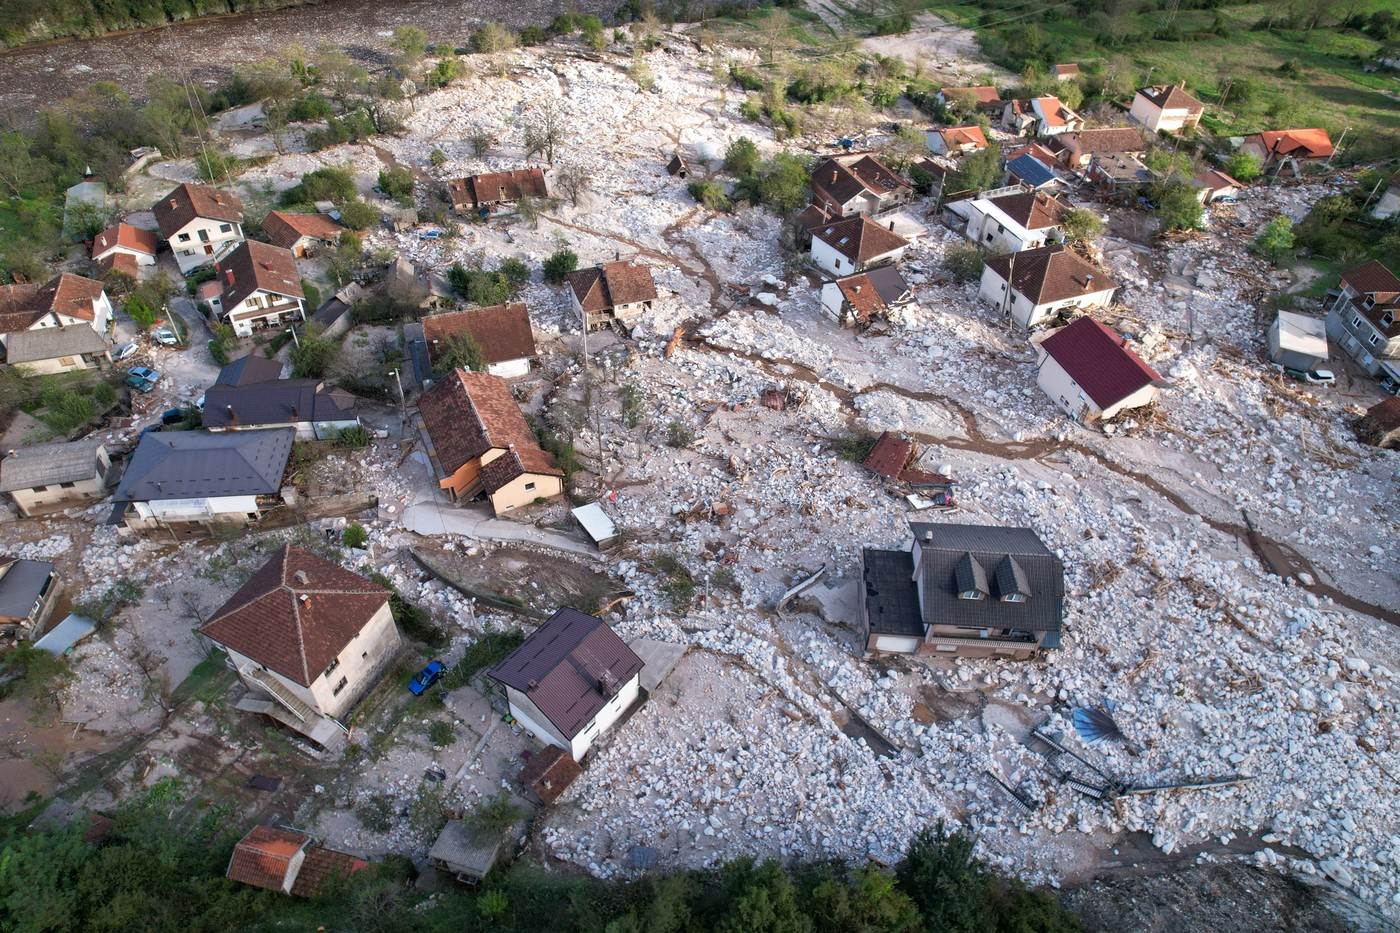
1274 556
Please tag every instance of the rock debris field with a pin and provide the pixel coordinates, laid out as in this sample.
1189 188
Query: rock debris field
1215 666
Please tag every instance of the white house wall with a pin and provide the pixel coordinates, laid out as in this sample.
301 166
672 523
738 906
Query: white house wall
189 249
829 259
510 369
605 719
360 662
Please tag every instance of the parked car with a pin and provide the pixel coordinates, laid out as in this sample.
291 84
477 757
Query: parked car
142 379
1321 377
426 678
430 235
125 351
165 336
172 416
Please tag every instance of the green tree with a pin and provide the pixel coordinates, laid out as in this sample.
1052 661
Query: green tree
741 159
709 193
761 899
559 264
355 535
784 183
491 38
1081 225
141 310
1243 166
516 273
397 183
1178 207
964 262
1275 241
947 885
313 357
460 351
409 44
977 171
359 215
322 184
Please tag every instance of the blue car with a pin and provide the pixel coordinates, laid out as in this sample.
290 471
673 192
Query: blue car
426 678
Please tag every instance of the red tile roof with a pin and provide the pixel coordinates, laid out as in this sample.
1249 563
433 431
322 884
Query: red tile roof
957 136
284 229
263 857
501 331
1067 70
253 266
496 187
187 202
1172 97
127 237
889 456
67 294
296 614
569 667
124 263
1050 273
320 866
466 414
1099 361
1303 144
982 94
859 238
611 284
1373 278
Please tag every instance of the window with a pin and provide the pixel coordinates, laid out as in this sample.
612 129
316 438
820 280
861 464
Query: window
225 228
204 236
183 238
340 686
1014 598
1356 320
41 489
970 594
333 665
1375 339
529 486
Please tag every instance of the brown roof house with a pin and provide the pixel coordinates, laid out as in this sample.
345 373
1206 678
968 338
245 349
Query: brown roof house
125 248
858 184
1365 317
570 681
1091 373
955 140
201 224
1214 185
1008 220
1037 284
290 862
612 292
964 591
855 244
261 288
1166 108
63 301
501 332
1065 72
308 638
966 99
481 445
249 394
895 457
43 477
300 233
1074 150
1287 151
861 298
1381 424
485 192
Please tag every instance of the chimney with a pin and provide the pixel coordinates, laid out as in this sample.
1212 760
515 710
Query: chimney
833 176
532 684
228 275
232 418
295 418
892 226
928 534
300 577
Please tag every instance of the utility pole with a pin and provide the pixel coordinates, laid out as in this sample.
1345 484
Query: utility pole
588 390
295 339
403 407
1338 147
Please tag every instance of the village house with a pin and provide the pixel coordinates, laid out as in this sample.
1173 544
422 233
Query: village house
955 140
612 293
965 99
1074 150
1091 373
1031 172
125 249
192 484
926 173
1065 72
301 234
1214 185
481 194
1388 205
1118 171
261 288
201 224
249 394
65 300
844 186
1035 285
1380 426
963 591
501 332
854 245
865 296
43 477
1286 152
1010 220
28 591
1166 108
1039 116
310 636
481 444
895 457
57 350
1297 341
1365 316
570 681
291 862
678 167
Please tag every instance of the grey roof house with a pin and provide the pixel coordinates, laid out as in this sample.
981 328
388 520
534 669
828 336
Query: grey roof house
191 483
28 590
57 475
57 349
964 590
248 395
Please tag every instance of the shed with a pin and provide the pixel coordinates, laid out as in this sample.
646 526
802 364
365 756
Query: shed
596 523
677 166
1298 341
467 853
66 634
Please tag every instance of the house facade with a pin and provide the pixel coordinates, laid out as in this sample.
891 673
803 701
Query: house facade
1364 318
1091 373
955 140
43 477
1075 150
300 234
1039 116
570 681
481 446
861 298
1011 220
66 300
1166 108
611 293
963 591
501 332
308 634
855 244
1037 284
192 484
261 288
201 224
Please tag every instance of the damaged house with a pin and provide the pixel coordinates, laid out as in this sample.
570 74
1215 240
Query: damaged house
844 186
1010 219
201 224
501 332
484 193
249 394
260 288
963 591
1091 373
1035 285
862 298
854 245
612 292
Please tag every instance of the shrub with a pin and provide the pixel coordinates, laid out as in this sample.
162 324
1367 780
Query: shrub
493 815
312 357
142 310
1275 241
322 184
1081 225
1243 166
533 35
492 37
679 435
559 264
856 447
355 536
742 158
461 351
359 215
746 79
516 272
709 193
1177 207
355 437
783 184
677 582
444 72
442 733
437 157
486 651
964 262
376 813
397 183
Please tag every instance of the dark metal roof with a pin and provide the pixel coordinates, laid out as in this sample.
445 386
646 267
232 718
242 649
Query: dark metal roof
1030 170
951 555
891 597
247 370
569 667
20 585
970 576
197 465
286 401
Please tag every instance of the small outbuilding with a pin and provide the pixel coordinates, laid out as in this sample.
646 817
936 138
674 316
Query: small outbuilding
600 528
468 853
1298 341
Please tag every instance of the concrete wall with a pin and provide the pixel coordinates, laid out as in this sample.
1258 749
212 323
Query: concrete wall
510 369
190 514
997 234
518 492
60 364
361 663
202 241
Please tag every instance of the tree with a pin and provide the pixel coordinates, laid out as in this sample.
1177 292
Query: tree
20 172
709 193
323 184
492 37
784 183
481 140
142 310
460 351
397 183
355 536
1177 206
516 272
313 357
940 875
964 262
1081 225
978 171
358 215
409 44
741 159
545 130
1275 241
572 180
1243 166
559 264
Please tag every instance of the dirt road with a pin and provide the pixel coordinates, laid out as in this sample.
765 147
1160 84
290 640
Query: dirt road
34 76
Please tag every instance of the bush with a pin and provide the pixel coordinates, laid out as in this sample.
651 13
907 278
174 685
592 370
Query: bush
322 184
437 157
461 351
355 536
559 264
1275 241
677 582
1080 225
376 813
709 193
312 357
746 79
492 37
783 185
1243 166
741 158
355 437
516 273
397 183
142 310
964 262
493 815
1177 207
679 435
441 733
359 215
411 618
480 287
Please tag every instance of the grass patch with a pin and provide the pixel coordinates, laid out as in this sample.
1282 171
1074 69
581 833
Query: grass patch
485 652
208 682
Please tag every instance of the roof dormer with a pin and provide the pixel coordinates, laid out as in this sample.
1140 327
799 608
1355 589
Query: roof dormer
970 578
